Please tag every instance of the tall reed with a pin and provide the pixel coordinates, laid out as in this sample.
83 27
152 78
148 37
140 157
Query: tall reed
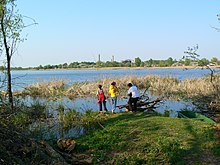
157 85
45 89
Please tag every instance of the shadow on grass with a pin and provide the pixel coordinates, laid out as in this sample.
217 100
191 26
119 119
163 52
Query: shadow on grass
197 152
131 116
129 138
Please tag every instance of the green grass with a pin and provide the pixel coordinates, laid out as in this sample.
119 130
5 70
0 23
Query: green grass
148 139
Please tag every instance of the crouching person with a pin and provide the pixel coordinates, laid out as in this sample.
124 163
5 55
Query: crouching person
134 95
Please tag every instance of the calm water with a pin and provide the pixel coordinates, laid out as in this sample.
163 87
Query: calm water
28 77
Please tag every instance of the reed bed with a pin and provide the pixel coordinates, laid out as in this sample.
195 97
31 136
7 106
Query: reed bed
89 89
190 88
163 86
46 89
198 89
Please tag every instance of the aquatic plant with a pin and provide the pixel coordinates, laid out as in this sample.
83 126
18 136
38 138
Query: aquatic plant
80 121
46 89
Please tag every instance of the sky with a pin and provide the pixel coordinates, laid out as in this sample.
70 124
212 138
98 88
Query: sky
79 30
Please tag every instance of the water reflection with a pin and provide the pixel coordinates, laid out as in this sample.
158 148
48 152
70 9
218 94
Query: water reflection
89 103
52 128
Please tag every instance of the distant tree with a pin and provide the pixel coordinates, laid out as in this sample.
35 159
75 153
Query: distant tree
137 62
150 62
147 63
187 62
203 62
100 64
40 67
169 61
214 60
60 66
127 63
162 63
65 65
109 64
142 64
48 66
73 65
2 68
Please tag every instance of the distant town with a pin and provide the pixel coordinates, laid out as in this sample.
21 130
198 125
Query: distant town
137 62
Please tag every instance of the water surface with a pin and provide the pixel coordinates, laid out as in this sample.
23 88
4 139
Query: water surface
28 77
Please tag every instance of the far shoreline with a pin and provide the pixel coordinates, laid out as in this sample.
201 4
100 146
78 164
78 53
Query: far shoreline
138 68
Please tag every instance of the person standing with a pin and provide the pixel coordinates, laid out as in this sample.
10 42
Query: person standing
113 93
134 95
101 98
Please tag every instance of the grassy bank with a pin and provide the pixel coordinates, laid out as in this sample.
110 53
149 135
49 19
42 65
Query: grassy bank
122 138
150 139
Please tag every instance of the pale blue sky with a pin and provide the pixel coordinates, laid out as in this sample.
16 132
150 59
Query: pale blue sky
79 30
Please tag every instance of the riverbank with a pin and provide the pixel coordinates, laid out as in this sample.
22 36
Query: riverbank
115 68
145 138
124 138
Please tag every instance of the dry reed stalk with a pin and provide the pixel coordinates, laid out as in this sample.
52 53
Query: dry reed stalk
196 87
164 86
90 89
45 88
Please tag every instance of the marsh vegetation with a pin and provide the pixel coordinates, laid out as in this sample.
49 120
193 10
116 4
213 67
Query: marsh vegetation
169 87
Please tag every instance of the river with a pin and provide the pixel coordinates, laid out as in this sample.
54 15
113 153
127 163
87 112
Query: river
27 77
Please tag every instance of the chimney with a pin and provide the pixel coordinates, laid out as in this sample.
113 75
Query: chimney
99 58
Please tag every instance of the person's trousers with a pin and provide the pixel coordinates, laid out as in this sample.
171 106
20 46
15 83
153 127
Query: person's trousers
133 104
104 105
114 102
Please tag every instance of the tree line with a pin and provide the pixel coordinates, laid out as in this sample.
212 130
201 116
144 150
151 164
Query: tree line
137 62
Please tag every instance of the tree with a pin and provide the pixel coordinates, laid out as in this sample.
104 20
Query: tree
11 26
214 60
137 61
162 63
65 65
187 61
192 54
203 62
150 62
170 61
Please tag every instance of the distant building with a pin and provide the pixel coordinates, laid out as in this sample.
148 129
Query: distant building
212 64
113 59
194 64
99 58
177 64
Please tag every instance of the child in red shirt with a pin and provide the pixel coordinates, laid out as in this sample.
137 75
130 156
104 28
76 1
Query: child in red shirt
101 98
